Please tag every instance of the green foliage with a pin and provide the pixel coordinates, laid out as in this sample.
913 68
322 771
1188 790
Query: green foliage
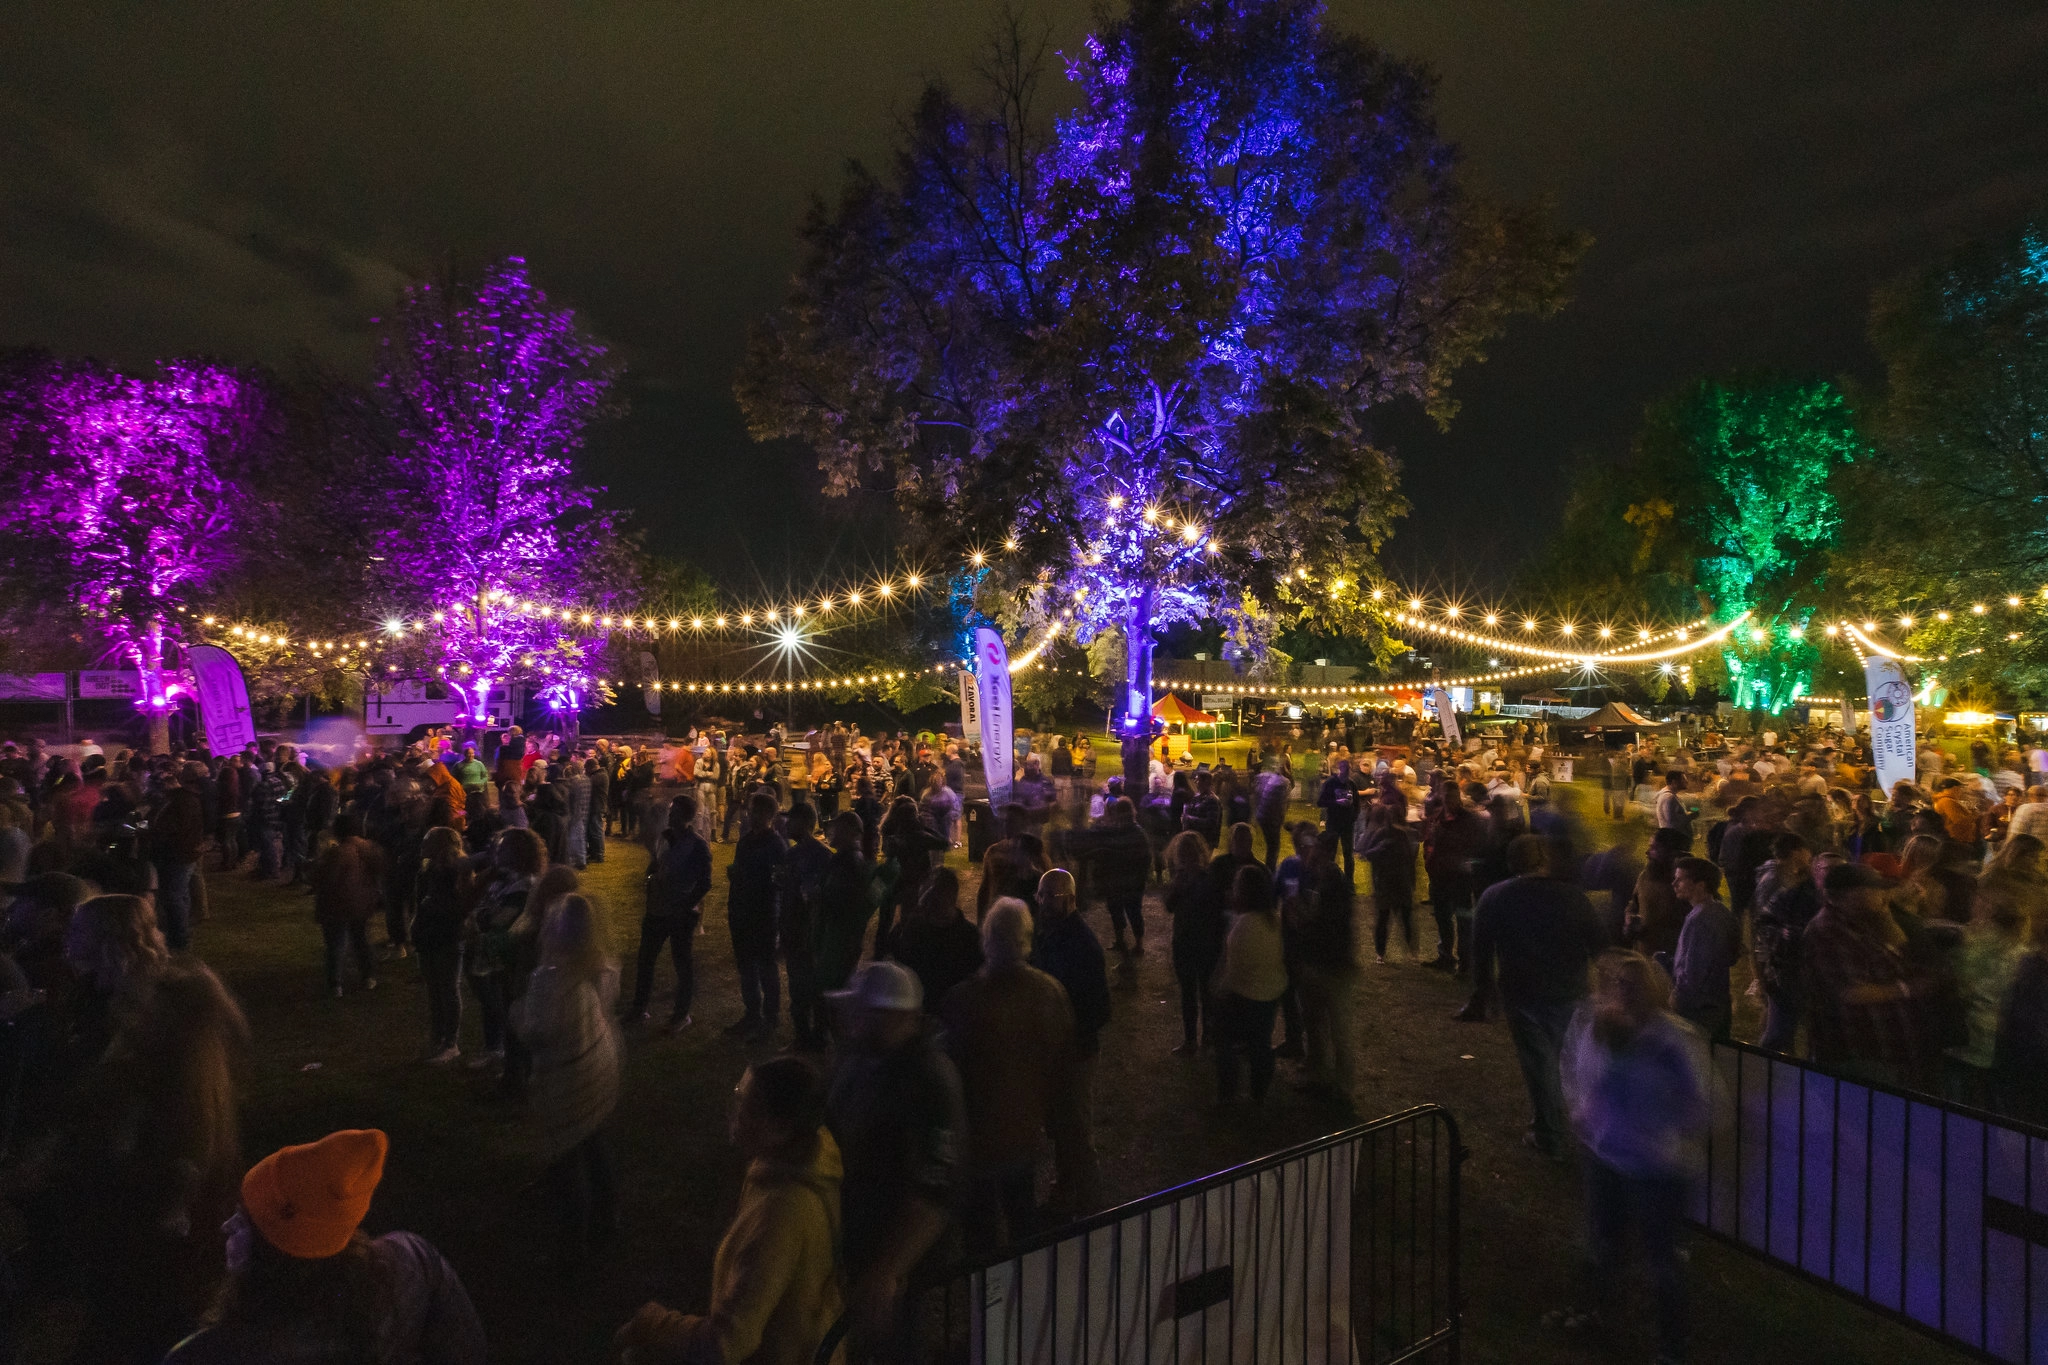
1951 512
1726 503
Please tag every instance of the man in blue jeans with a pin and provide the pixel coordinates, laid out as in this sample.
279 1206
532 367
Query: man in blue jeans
1544 935
177 831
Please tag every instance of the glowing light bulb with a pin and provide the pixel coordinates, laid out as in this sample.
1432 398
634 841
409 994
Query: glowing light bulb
1942 616
977 559
719 622
1977 609
1566 629
1452 612
1116 504
913 580
1415 604
1010 544
1528 624
1834 631
2012 601
1607 632
1642 635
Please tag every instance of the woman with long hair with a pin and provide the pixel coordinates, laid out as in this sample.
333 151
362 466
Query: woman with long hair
565 1023
440 904
1249 984
489 951
1194 904
114 946
126 1206
306 1284
1864 833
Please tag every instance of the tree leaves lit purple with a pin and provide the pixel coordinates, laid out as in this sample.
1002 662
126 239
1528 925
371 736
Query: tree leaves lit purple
1151 349
493 390
115 487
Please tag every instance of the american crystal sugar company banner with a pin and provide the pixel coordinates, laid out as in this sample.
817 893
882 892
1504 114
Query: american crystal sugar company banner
1891 721
223 698
992 694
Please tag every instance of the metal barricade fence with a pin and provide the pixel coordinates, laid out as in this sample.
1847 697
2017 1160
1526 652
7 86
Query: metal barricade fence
1925 1210
1343 1250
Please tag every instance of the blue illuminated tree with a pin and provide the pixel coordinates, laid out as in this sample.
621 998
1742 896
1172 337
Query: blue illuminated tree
1151 346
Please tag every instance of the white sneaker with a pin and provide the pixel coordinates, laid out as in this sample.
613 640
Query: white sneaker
486 1059
448 1054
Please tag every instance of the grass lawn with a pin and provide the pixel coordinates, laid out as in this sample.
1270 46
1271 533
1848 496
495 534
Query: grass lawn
462 1163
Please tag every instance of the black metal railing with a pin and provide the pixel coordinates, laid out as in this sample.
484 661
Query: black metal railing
1341 1250
1925 1210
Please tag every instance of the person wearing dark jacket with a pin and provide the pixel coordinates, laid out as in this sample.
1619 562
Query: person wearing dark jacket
911 843
177 831
1066 949
678 879
440 907
750 914
1194 904
599 814
839 924
1118 856
1324 969
936 941
1544 934
1339 802
1384 843
803 873
1454 840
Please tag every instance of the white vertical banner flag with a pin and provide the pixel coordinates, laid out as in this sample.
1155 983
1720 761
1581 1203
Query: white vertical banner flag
992 697
1446 714
223 696
970 707
1891 721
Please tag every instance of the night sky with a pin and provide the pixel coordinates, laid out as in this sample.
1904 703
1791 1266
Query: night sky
253 180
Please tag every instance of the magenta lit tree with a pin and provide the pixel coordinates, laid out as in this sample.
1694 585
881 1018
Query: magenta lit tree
117 504
492 390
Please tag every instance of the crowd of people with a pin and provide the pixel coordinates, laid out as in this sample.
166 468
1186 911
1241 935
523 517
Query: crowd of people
1899 937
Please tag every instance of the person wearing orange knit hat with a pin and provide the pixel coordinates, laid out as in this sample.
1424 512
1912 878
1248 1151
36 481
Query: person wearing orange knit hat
306 1282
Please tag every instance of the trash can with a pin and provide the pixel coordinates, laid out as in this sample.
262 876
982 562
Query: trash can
981 829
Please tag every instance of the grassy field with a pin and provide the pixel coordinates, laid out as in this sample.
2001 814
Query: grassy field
463 1164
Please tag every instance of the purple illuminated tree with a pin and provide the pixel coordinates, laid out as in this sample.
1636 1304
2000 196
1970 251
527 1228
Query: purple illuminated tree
116 503
492 389
1152 346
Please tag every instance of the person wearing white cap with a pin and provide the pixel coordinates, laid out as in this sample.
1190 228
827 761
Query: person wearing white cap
896 1112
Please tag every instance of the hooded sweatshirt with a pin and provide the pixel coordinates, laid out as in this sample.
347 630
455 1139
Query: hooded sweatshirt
775 1281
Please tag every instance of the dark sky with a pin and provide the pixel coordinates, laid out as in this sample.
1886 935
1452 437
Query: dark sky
254 179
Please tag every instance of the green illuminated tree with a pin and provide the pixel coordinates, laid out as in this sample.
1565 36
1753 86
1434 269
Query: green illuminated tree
1726 503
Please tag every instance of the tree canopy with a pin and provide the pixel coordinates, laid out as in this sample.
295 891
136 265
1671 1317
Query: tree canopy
1149 344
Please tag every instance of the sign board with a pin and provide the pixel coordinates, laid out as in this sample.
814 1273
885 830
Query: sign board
1892 749
109 684
223 696
32 686
970 706
992 697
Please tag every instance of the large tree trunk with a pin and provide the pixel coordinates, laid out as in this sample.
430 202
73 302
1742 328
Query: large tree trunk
1134 716
155 699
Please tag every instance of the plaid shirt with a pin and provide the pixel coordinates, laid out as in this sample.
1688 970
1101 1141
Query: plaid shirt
1838 958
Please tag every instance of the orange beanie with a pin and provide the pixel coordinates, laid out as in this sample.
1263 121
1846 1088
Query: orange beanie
308 1201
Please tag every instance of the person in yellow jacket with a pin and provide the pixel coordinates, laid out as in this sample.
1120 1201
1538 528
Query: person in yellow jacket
775 1282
